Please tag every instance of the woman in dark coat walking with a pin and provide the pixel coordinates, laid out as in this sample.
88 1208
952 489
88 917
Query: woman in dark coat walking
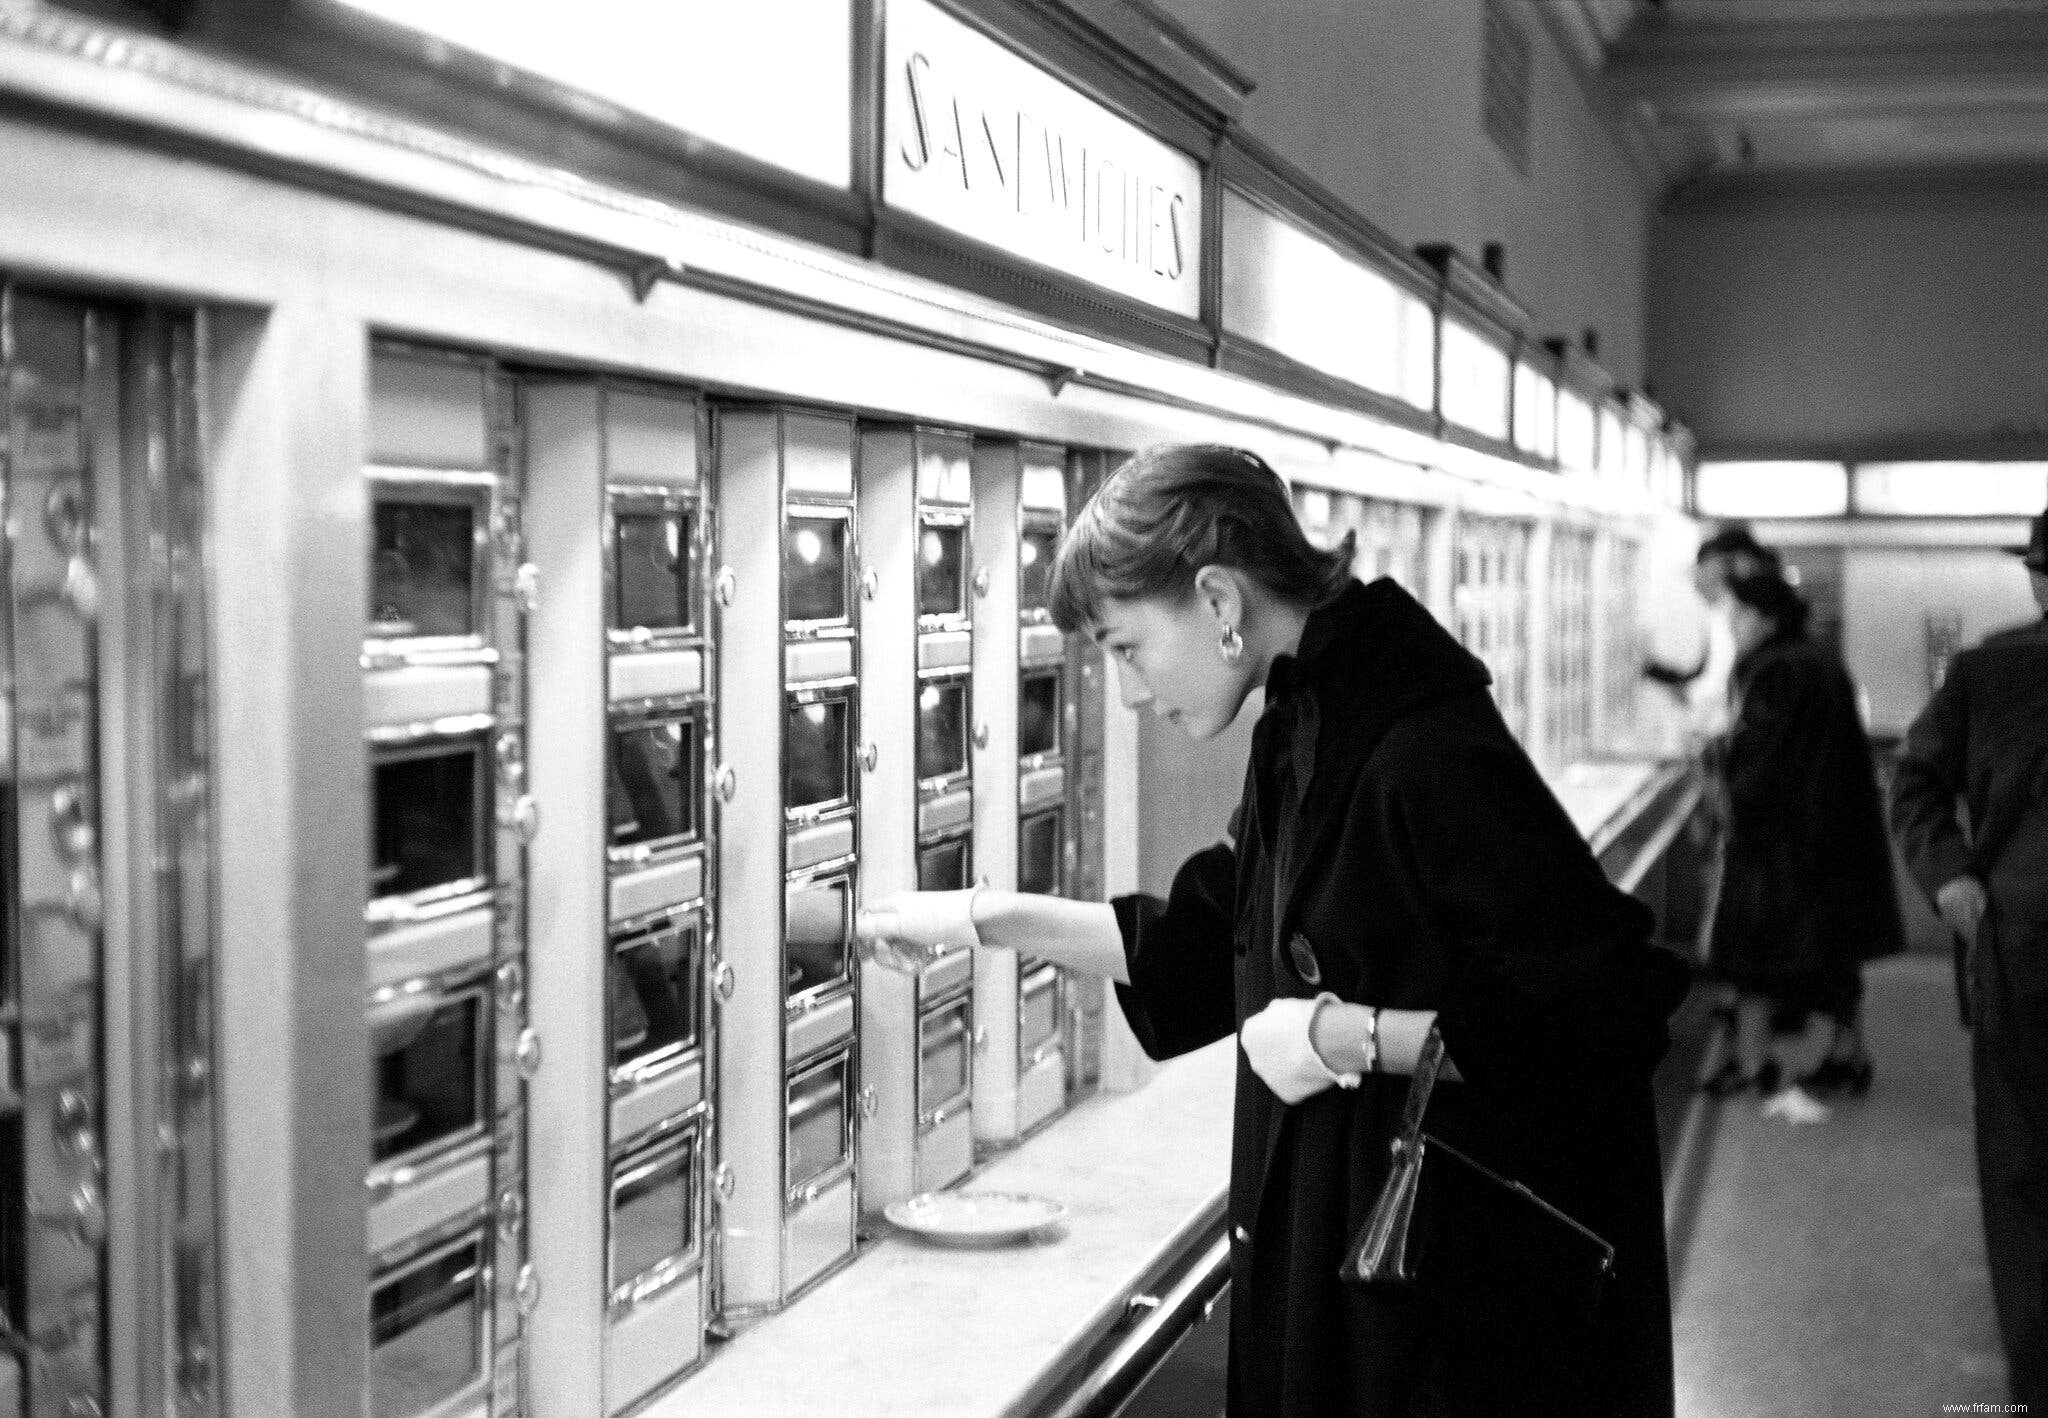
1397 864
1807 892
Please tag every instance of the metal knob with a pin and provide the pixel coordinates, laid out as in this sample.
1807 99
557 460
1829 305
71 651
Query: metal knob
526 587
526 1053
981 1038
728 784
867 1100
981 735
726 586
83 1216
981 582
521 817
75 1128
82 589
64 517
869 757
723 979
511 1214
71 824
722 1182
527 1290
82 899
870 584
511 985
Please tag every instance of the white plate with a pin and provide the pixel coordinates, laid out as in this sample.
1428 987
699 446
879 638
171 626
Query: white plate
975 1218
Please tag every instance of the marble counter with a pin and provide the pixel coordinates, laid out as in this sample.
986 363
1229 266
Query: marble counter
916 1331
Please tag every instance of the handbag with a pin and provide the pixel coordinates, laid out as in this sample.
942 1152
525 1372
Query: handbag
1523 1275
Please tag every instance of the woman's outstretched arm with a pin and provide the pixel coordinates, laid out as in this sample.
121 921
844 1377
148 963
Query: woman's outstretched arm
1081 935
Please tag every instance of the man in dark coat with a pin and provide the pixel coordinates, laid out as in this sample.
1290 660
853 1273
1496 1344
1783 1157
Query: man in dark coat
1419 863
1982 741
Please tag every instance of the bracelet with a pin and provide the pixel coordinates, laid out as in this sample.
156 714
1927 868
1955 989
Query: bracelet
1372 1040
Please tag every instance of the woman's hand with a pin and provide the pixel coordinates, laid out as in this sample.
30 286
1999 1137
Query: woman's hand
904 929
1276 1043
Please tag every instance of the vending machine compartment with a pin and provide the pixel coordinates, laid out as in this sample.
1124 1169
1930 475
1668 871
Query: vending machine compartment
431 1324
654 1324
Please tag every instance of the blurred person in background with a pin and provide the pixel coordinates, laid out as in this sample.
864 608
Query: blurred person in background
1806 891
1982 743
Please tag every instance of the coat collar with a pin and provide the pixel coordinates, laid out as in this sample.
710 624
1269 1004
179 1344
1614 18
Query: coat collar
1378 652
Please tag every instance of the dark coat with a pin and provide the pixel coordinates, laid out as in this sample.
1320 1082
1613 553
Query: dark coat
1983 740
1422 864
1807 892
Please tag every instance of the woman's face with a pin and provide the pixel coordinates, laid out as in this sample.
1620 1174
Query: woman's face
1166 657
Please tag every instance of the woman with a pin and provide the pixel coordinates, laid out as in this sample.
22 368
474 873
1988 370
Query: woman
1806 889
1398 864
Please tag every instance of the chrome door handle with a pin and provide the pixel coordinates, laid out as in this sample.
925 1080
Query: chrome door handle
867 1100
521 817
869 757
728 783
526 1054
723 979
726 586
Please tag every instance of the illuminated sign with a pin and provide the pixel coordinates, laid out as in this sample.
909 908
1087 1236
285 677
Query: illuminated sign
983 143
771 78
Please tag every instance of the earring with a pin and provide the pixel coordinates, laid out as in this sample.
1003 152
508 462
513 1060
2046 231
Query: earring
1230 645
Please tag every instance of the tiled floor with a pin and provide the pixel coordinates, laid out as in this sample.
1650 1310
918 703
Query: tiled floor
1837 1270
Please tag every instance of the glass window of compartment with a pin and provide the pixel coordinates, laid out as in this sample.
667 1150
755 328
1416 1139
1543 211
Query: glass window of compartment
1038 715
944 1042
944 866
819 1135
942 569
653 567
815 568
1035 555
655 800
818 935
427 1330
428 1072
427 561
654 1217
428 813
1038 1020
941 730
817 750
656 995
1040 840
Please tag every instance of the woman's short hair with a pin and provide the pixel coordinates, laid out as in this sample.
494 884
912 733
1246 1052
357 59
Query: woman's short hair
1176 508
1772 597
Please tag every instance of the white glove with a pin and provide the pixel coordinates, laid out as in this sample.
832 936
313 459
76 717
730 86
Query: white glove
1276 1042
907 928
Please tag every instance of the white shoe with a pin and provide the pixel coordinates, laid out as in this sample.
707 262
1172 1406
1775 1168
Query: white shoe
1797 1107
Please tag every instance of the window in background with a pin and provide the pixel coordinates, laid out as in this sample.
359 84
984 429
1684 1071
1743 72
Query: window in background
1772 489
1952 489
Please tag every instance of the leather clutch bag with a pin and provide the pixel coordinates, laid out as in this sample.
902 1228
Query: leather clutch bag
1487 1250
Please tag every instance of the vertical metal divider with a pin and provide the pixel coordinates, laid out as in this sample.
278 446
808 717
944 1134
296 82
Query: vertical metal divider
286 418
515 820
566 976
998 491
887 483
747 455
118 442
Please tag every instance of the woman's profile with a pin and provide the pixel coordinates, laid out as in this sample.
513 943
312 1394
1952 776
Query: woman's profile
1397 864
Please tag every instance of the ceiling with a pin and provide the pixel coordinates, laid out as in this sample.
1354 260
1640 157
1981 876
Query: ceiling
1728 93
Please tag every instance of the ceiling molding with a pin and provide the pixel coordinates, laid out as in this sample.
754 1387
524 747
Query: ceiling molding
1718 188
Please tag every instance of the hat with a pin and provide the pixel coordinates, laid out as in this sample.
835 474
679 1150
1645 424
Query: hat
2035 552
